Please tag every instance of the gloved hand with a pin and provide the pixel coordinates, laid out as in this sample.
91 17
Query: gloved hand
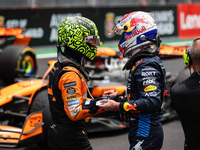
93 110
92 105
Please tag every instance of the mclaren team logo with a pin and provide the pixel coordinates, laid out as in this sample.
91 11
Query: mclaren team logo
150 88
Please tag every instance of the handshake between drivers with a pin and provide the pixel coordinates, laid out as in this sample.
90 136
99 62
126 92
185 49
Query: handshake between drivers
110 104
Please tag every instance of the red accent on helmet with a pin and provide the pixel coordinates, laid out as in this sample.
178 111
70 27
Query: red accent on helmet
121 49
128 15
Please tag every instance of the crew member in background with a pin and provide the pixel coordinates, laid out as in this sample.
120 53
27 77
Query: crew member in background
186 98
67 89
146 83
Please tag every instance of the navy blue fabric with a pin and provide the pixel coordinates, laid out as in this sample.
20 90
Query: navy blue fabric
145 88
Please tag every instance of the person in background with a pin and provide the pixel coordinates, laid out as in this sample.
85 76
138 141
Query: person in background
146 88
67 88
186 99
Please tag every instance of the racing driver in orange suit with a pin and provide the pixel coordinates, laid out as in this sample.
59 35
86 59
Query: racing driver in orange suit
67 89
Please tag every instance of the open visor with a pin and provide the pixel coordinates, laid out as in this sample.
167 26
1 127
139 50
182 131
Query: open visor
93 39
118 29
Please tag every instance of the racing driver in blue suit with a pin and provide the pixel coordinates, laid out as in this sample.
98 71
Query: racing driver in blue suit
146 88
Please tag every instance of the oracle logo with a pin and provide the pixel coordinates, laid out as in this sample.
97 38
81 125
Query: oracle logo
190 21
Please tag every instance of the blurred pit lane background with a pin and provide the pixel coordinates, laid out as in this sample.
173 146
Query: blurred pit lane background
177 21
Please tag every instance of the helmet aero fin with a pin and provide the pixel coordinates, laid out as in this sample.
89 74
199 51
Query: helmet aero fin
79 34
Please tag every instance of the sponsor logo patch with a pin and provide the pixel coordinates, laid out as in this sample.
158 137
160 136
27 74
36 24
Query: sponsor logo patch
71 108
71 97
148 73
75 112
73 102
128 107
71 91
70 84
150 88
146 69
152 94
147 81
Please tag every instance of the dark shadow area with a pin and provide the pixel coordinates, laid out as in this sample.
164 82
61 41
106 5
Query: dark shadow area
108 133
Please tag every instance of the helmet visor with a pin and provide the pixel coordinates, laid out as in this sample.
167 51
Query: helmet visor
93 39
118 29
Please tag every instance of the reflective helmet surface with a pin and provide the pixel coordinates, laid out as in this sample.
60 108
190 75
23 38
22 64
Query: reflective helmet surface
80 34
135 27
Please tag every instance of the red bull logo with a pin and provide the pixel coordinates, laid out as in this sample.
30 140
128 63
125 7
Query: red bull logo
137 21
129 107
135 32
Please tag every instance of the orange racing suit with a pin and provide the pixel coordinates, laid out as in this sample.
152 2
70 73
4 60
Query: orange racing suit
67 91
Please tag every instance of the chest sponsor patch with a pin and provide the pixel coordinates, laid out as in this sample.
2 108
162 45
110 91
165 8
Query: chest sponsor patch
147 81
71 91
71 97
73 102
70 84
148 73
152 94
75 111
71 108
150 88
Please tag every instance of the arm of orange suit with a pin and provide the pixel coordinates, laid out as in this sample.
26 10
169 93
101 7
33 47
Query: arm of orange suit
74 94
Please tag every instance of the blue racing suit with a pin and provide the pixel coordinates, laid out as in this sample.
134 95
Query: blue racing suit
146 91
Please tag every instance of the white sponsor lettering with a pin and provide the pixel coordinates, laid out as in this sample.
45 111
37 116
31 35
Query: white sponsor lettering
166 28
165 21
147 81
72 107
151 94
189 21
146 69
35 33
73 102
149 73
16 23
